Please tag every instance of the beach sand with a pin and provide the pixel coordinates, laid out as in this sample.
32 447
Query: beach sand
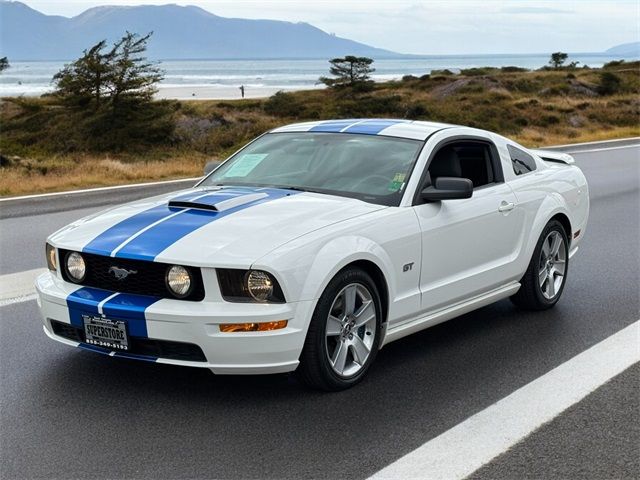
201 92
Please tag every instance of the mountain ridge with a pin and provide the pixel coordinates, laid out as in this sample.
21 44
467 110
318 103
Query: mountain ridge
631 49
180 32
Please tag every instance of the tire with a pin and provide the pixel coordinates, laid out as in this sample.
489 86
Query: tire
342 343
546 275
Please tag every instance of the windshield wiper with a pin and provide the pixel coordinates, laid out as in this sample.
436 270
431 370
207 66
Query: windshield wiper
297 189
263 185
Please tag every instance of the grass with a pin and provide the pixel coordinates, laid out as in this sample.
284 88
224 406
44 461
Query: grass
45 147
71 172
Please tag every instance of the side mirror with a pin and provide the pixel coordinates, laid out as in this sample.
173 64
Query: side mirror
448 188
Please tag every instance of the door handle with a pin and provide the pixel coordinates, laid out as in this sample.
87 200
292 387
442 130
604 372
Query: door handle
506 206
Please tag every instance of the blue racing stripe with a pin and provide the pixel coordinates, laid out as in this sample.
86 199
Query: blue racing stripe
130 308
135 356
84 300
124 306
152 242
106 351
109 240
373 127
333 125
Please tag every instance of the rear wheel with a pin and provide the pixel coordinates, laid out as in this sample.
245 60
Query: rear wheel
545 278
344 333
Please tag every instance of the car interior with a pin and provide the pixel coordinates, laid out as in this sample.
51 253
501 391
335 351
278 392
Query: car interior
470 160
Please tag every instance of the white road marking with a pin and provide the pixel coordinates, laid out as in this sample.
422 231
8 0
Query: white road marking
99 189
21 299
597 142
460 451
18 287
604 149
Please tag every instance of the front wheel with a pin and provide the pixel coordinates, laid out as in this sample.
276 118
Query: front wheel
344 333
545 278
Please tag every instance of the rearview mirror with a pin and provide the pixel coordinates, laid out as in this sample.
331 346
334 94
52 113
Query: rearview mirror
448 188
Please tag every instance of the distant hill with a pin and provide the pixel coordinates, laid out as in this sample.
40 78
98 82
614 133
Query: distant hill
179 33
631 50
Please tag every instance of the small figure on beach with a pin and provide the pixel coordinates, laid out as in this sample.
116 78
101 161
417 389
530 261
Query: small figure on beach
241 90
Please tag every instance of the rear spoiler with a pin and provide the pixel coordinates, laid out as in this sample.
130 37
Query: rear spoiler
557 157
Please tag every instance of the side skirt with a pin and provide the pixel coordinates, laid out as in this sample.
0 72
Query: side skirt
420 323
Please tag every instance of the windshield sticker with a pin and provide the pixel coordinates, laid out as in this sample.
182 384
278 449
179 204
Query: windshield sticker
397 182
243 166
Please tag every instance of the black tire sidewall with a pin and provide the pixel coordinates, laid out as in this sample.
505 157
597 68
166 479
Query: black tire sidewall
557 227
317 332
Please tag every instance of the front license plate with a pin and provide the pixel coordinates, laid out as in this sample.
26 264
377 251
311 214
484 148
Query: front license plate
106 333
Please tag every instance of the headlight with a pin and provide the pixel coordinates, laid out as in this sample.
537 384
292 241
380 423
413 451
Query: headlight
52 259
76 267
249 286
259 285
179 281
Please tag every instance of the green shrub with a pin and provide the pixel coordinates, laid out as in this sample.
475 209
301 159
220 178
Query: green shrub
283 104
548 120
416 111
613 63
474 72
512 69
610 84
446 71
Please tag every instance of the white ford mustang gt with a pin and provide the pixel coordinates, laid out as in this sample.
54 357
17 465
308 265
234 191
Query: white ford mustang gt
314 246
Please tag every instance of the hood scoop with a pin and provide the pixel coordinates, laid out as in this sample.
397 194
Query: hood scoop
217 202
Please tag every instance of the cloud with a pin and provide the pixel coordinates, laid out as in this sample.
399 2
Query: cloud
533 10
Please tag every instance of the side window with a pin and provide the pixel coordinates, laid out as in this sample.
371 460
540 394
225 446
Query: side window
465 159
522 162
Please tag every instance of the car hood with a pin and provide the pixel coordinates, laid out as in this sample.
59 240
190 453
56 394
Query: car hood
221 226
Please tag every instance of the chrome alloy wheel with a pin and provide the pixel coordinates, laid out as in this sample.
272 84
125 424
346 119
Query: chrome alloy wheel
351 329
553 265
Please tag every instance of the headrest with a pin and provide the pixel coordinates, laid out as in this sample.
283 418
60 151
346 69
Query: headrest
445 164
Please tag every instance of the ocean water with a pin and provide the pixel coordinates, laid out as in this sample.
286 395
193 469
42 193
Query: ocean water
34 78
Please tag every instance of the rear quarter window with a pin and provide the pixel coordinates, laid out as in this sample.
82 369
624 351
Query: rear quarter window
521 161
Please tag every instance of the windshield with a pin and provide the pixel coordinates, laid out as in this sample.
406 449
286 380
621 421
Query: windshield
370 168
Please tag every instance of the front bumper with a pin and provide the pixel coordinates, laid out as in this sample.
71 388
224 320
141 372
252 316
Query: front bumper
186 322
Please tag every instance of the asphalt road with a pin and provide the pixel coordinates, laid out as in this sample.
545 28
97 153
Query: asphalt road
69 413
618 430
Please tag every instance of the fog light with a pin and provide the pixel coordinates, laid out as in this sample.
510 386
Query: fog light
253 327
76 267
179 281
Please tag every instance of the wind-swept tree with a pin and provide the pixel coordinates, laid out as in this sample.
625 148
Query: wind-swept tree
109 93
349 71
558 59
110 78
88 78
134 77
4 64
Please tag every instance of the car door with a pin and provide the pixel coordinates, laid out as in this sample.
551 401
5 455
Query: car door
467 244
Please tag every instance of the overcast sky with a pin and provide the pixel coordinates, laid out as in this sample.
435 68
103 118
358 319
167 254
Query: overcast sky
433 27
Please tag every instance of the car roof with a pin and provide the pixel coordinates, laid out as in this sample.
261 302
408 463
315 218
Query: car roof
412 129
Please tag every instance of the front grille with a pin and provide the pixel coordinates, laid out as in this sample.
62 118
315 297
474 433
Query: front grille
140 346
148 279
